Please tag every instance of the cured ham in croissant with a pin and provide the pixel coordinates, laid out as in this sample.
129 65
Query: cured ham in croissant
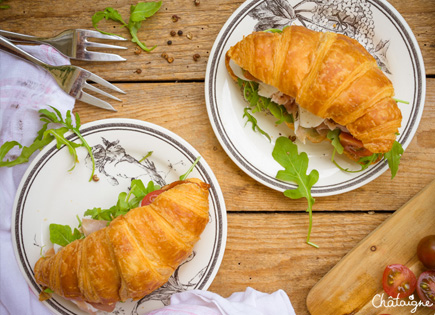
326 75
135 254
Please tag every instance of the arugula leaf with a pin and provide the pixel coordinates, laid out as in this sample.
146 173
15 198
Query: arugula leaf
333 135
273 30
401 101
108 13
393 158
276 30
253 121
56 117
26 152
143 10
184 176
45 136
124 203
138 13
259 103
63 235
99 214
134 27
295 166
146 156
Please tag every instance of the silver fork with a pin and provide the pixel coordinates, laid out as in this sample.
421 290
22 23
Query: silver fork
73 44
71 79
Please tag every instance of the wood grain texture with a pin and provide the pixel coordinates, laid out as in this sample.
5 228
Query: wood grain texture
266 246
180 107
352 294
268 253
203 22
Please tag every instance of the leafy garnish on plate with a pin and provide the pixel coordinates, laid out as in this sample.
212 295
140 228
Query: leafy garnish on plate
393 156
250 118
273 30
400 101
45 136
258 103
185 175
295 170
63 234
146 156
126 201
138 13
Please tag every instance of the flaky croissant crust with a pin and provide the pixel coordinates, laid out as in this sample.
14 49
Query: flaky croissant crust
135 254
329 74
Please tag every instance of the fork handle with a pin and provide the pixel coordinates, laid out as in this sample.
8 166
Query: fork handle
20 52
18 36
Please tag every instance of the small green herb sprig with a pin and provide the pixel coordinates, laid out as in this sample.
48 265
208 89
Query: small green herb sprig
45 136
393 156
64 234
285 152
138 13
190 169
259 103
126 201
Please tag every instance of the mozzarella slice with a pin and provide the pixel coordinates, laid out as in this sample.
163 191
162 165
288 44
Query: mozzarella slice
266 90
237 70
308 119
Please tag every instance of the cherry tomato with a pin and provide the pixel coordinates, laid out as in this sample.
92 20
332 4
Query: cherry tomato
426 251
149 198
426 287
399 281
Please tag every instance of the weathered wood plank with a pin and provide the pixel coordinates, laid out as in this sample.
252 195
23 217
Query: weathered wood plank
180 107
354 293
46 18
267 251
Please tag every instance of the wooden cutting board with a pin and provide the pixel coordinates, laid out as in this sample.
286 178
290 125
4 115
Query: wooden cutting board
352 285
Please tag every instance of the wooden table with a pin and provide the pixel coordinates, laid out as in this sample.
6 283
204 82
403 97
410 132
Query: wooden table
266 231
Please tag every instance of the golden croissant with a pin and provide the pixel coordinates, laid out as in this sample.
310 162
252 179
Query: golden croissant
135 254
331 76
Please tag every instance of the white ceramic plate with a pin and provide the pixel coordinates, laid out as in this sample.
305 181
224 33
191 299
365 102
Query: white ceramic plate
49 194
374 23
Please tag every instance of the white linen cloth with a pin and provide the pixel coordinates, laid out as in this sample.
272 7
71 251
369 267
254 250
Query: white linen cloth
250 302
24 89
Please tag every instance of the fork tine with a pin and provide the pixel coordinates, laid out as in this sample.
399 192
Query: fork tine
96 34
100 45
100 56
97 79
87 98
97 90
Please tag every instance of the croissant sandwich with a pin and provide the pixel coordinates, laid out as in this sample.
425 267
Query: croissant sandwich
325 81
135 254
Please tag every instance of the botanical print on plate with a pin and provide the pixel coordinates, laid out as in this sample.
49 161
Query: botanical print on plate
353 18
